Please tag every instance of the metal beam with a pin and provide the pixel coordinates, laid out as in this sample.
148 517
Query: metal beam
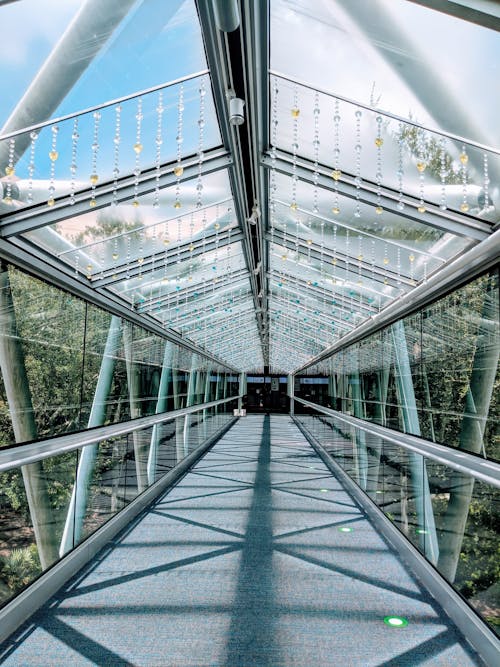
463 269
445 221
35 262
485 13
40 215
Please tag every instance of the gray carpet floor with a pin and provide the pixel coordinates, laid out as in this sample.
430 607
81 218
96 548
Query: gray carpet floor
243 564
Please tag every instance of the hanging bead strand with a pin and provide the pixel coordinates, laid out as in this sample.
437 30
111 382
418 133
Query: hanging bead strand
378 176
358 148
295 146
31 166
179 169
9 172
464 159
137 150
95 149
53 155
158 143
336 173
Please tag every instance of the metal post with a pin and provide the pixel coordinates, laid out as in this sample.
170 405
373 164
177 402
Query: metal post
17 390
242 389
78 503
418 472
359 440
291 393
161 406
191 396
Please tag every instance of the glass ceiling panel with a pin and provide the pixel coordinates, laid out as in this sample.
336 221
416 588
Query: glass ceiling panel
387 57
398 246
100 148
142 51
369 146
117 239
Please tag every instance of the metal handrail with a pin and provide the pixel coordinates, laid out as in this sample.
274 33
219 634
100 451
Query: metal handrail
23 454
458 459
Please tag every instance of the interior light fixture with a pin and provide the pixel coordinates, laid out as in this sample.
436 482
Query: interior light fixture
396 621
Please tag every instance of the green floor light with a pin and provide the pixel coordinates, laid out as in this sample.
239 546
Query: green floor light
396 621
345 529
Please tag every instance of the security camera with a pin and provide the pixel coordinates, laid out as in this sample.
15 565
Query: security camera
236 113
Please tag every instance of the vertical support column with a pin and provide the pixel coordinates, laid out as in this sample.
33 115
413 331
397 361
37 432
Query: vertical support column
17 390
134 392
79 497
161 406
420 481
218 389
242 389
291 393
361 458
190 400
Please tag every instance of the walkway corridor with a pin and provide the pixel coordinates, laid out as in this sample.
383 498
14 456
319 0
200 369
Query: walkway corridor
247 561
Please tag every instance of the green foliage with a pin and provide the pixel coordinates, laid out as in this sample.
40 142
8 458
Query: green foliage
20 567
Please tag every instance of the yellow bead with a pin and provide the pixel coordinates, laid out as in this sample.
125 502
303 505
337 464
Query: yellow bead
386 260
164 281
360 282
421 209
336 174
7 200
335 210
53 155
464 158
190 278
379 210
360 258
421 166
94 178
166 241
295 112
140 260
178 171
293 206
135 203
114 256
92 203
284 257
137 148
9 171
89 267
334 262
378 142
309 282
464 207
191 248
386 281
309 241
51 201
177 204
216 226
411 258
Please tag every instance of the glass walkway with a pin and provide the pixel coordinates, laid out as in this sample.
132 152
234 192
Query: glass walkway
258 556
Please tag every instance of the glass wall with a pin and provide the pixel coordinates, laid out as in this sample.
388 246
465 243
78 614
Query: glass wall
77 492
449 516
67 365
433 374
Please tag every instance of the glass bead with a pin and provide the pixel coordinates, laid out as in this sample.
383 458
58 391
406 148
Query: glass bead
358 113
216 226
464 207
360 258
7 200
400 205
357 214
177 204
464 158
201 123
379 210
53 155
335 210
309 241
421 167
336 174
33 136
97 115
114 256
378 142
116 140
442 207
178 171
191 248
386 282
92 203
166 241
137 148
411 258
55 129
295 112
164 281
51 201
116 172
135 203
386 260
95 146
421 209
293 206
94 178
284 257
89 267
140 260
